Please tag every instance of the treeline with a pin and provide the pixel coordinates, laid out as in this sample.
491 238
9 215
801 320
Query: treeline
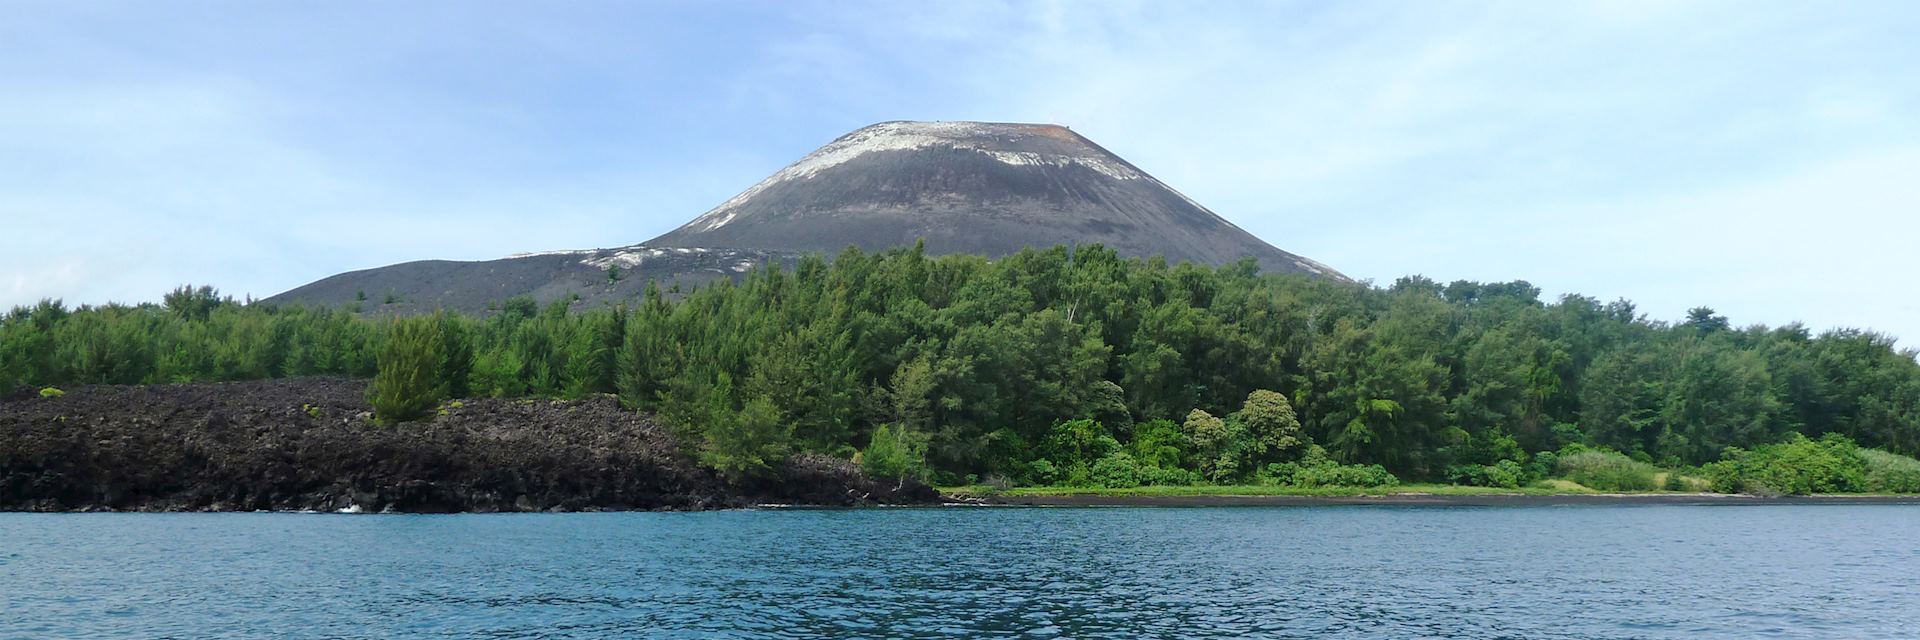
1043 365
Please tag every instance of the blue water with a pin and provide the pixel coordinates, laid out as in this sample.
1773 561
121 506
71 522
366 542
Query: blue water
1391 572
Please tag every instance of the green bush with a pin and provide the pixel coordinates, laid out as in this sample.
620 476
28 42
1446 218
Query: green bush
1159 443
406 385
1542 465
1505 474
1153 476
896 451
1345 475
1891 473
1079 443
1116 471
1605 470
1797 466
1040 473
1121 470
1315 469
749 442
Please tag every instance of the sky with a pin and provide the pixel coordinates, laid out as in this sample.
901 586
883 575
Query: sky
1760 158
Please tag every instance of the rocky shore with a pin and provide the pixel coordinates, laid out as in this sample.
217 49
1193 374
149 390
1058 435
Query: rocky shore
310 444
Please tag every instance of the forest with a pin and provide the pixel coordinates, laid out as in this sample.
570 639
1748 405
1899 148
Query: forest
1075 366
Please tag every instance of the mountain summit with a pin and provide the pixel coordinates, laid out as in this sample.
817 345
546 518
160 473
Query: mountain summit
963 187
974 187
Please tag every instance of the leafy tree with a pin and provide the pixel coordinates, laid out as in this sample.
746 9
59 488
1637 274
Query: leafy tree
749 442
192 303
1271 425
407 385
1704 320
895 451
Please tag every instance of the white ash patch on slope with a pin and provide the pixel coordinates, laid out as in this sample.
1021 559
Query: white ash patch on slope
909 136
627 258
623 257
636 255
1319 268
561 252
1110 169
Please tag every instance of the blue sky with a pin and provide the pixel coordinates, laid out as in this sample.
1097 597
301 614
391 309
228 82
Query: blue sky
1762 158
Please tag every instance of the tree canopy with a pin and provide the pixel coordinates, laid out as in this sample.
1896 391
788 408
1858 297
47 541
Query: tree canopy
987 367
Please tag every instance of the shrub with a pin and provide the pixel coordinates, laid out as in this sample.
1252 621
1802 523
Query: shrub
1891 473
1153 476
1077 444
1796 466
1505 474
1542 465
1159 443
1117 471
749 442
1121 470
1041 473
1345 475
406 385
1605 470
1315 469
896 451
51 392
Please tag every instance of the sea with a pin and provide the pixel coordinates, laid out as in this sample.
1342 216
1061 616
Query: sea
1746 571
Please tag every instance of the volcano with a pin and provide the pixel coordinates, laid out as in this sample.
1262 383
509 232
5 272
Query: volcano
961 187
974 187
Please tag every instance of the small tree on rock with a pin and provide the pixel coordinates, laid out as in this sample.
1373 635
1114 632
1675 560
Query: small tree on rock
896 452
407 384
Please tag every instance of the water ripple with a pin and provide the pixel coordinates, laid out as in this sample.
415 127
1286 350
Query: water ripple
1600 572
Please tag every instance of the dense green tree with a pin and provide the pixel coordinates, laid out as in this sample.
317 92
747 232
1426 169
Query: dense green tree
988 360
1271 425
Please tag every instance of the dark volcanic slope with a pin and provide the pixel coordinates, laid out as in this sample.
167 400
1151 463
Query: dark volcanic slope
970 187
471 286
964 187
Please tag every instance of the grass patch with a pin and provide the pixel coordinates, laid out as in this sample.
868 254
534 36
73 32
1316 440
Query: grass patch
1891 473
1265 490
1563 486
1607 471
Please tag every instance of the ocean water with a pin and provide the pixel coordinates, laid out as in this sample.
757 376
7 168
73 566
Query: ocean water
1335 571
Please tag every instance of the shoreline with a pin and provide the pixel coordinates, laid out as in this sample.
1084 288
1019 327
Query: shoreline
1422 500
